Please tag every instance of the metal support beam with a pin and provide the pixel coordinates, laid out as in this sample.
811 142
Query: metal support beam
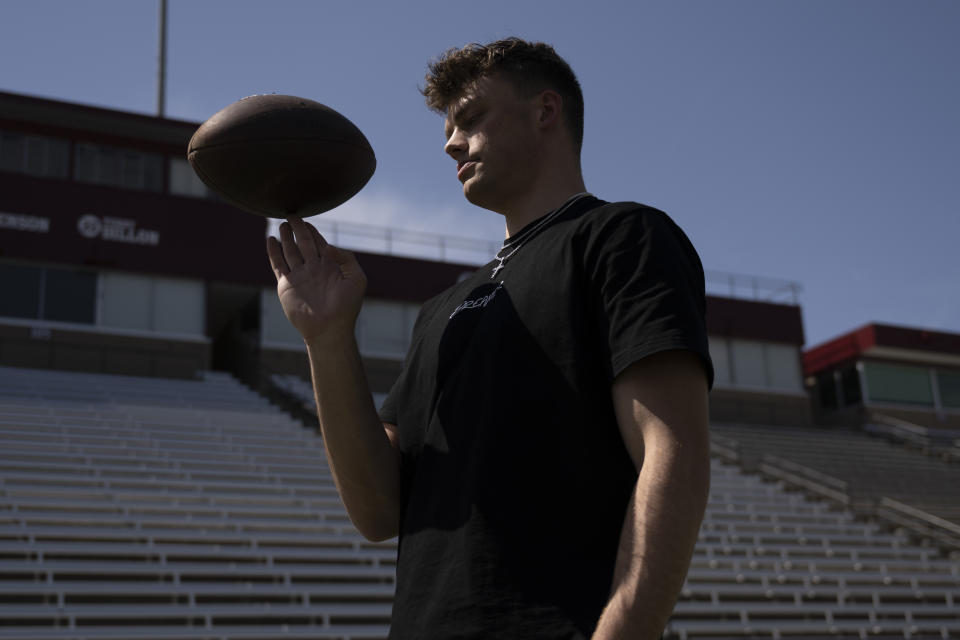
162 60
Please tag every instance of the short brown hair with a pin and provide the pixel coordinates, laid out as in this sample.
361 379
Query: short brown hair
529 66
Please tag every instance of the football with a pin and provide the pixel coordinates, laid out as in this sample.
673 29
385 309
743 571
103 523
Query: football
281 156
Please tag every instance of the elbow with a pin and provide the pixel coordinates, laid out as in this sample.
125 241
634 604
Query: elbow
377 527
379 534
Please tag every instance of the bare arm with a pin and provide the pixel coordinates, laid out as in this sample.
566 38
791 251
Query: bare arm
321 289
661 408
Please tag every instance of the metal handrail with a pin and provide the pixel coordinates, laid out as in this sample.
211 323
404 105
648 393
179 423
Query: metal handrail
807 472
803 477
735 285
418 244
919 514
905 429
437 246
725 448
920 522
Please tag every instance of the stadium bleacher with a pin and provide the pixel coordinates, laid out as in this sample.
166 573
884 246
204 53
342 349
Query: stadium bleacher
151 508
773 563
871 468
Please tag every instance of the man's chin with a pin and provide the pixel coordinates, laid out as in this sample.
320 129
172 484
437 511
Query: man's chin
475 195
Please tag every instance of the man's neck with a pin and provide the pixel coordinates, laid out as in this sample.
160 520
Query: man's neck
539 202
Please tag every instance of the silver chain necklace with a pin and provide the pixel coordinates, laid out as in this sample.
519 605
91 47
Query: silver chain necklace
534 231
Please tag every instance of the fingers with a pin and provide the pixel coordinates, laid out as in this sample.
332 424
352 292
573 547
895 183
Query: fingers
277 261
299 242
305 238
291 252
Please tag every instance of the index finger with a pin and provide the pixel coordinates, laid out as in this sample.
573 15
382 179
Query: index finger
305 239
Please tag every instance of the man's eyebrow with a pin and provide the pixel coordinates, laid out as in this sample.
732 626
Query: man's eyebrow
455 111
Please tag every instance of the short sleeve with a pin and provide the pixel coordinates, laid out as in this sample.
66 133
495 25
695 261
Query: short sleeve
648 286
388 410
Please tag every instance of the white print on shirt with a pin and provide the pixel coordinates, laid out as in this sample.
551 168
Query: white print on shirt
479 302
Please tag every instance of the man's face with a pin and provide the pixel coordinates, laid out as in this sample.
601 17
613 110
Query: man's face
491 133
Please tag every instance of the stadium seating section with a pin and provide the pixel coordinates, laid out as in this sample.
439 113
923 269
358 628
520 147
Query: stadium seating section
143 508
870 467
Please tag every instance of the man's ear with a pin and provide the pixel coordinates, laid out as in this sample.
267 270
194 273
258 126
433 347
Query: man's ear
549 108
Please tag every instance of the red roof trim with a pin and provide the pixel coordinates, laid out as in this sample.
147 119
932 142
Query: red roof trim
849 346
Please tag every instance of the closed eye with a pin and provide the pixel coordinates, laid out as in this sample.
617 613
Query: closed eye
470 120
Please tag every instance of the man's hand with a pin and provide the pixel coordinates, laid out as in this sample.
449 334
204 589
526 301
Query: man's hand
321 290
320 286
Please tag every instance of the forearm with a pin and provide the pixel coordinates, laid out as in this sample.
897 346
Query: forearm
656 545
363 461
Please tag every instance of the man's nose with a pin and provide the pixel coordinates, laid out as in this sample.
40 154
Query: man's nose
456 143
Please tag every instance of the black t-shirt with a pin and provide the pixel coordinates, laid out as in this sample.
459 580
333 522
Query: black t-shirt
514 475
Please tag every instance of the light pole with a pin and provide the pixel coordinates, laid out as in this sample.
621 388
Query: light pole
162 62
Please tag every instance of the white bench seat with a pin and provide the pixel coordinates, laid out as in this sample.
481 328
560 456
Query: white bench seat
148 483
819 573
807 629
312 510
22 520
187 551
198 592
321 613
164 469
199 534
233 632
183 571
878 595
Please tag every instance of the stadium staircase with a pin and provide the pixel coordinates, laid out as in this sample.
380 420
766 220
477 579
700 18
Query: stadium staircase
152 509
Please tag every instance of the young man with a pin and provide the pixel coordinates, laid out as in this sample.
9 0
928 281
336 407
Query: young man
544 454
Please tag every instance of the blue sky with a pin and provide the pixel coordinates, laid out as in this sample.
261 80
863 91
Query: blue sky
813 141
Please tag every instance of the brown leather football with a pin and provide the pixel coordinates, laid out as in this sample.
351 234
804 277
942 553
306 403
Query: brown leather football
281 156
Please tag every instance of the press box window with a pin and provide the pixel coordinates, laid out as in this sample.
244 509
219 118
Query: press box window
48 294
21 291
749 367
70 296
275 329
150 303
898 383
384 327
116 167
33 155
720 356
949 387
184 180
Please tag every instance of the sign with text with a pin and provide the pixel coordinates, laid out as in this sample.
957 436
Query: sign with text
63 222
24 222
114 229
